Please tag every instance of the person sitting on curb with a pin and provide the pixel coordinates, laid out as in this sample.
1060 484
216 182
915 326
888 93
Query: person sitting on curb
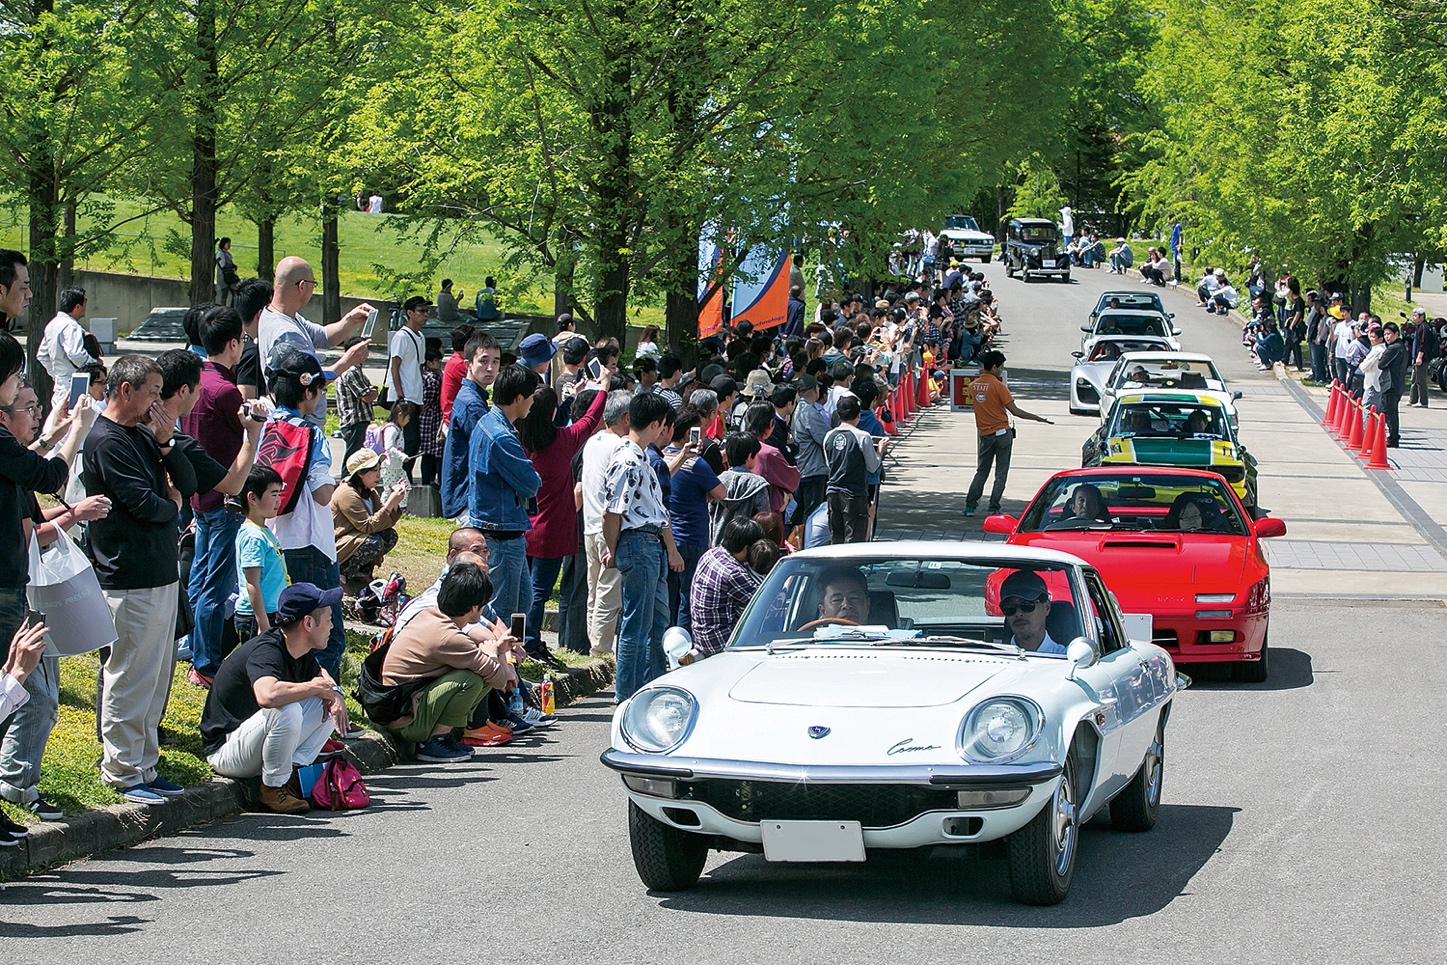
272 706
459 657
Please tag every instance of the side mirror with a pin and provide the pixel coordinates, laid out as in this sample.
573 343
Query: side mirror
1077 355
1170 314
1000 523
1236 395
677 644
1085 328
1175 331
1269 526
1080 653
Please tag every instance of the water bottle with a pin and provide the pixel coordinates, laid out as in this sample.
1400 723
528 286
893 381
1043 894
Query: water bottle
515 704
547 698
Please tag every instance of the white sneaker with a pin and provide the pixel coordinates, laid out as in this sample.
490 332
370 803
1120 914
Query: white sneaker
537 718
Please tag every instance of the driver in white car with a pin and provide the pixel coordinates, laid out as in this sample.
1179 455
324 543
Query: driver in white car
844 595
1025 601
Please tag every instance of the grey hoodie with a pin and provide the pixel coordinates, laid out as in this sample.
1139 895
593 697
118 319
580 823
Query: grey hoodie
746 496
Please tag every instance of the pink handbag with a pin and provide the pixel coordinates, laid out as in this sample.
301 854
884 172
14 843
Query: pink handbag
340 788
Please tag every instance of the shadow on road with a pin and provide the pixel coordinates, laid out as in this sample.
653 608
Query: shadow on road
1118 877
1290 670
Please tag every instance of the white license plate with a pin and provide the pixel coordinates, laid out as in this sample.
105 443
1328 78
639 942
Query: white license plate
813 840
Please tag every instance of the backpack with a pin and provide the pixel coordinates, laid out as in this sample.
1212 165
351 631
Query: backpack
287 447
340 788
373 439
384 704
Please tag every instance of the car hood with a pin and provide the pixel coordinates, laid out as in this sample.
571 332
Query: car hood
852 677
965 234
1155 451
1093 372
1142 568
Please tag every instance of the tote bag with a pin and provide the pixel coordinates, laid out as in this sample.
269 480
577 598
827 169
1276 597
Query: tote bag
63 586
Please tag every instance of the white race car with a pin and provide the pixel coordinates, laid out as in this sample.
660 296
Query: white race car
966 238
896 696
1088 375
1151 371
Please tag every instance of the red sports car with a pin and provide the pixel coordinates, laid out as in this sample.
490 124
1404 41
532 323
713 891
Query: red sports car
1174 543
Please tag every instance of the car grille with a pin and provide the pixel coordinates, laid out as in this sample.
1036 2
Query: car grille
872 805
1086 391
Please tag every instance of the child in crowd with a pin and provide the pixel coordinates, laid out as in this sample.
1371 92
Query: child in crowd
258 555
430 415
355 395
394 455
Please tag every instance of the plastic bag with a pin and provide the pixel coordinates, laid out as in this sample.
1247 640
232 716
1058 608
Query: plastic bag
63 586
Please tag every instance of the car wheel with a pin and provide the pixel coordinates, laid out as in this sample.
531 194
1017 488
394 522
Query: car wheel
1252 671
1010 273
667 859
1065 278
985 260
1025 276
1139 804
1042 853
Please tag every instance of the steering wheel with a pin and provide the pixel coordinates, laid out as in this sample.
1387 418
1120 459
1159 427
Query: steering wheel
826 620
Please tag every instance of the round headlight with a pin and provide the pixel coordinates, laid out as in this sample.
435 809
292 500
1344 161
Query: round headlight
658 720
999 729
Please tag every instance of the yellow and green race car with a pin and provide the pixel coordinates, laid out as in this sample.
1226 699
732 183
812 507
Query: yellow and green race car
1174 429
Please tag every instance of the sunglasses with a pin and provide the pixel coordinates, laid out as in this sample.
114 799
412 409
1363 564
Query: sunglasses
1010 609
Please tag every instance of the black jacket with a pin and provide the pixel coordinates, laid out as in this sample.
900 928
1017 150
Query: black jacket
22 474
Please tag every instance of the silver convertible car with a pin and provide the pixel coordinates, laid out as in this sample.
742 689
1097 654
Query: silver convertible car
1089 374
900 696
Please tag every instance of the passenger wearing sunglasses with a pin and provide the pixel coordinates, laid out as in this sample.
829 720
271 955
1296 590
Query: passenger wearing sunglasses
1025 601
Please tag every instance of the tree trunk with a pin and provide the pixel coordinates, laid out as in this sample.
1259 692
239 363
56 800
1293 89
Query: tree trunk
45 216
65 277
331 258
680 307
1417 268
266 248
203 159
616 201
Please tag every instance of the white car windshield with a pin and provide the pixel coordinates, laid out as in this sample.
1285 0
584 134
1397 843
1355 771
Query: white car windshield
1148 300
889 601
961 222
1131 502
1130 323
1169 374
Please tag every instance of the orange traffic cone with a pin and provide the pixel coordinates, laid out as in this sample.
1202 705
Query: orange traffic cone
1343 417
1332 403
1379 450
1369 437
1354 427
924 390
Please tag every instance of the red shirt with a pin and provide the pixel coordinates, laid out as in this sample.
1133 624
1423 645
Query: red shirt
454 370
215 424
783 478
555 525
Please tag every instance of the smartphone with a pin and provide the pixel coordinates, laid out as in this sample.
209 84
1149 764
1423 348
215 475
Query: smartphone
695 436
370 323
519 627
79 385
32 617
595 369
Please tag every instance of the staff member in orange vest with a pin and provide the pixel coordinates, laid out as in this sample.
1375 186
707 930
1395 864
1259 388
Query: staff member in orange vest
992 401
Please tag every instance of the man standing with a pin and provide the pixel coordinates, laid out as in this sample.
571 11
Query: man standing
355 396
992 400
404 383
794 314
215 420
772 465
282 326
536 352
1177 233
809 429
62 350
723 587
604 586
482 354
851 454
638 543
503 481
1394 372
250 300
226 277
1343 336
130 458
273 706
14 286
1423 349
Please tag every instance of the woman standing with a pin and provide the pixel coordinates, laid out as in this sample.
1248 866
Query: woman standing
648 344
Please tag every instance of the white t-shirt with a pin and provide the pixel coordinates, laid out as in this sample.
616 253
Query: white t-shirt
310 522
410 347
295 332
1341 333
1046 646
597 454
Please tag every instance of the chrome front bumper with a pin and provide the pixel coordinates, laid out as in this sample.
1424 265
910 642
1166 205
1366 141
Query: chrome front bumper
940 776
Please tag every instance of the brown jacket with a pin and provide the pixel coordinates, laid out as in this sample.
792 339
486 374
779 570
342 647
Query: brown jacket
354 521
430 645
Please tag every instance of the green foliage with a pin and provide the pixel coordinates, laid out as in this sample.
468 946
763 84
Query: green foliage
1037 194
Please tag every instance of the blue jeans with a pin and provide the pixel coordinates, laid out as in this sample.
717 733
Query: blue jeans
311 565
512 585
24 734
213 580
544 575
680 583
640 561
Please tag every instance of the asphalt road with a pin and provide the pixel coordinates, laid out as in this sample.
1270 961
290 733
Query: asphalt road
1299 824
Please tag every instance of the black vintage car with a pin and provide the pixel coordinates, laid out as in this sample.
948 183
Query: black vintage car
1033 247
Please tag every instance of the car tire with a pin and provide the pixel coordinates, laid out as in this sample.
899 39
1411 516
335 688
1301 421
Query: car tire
1025 275
1042 853
667 859
1065 278
1010 273
985 259
1137 806
1253 671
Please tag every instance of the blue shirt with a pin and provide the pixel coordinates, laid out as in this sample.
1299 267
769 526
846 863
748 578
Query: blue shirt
688 503
870 423
660 469
467 411
1176 237
256 546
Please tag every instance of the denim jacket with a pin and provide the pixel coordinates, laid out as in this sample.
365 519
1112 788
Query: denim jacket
467 412
503 477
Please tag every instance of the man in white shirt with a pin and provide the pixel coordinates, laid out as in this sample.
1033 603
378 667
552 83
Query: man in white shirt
404 370
1025 601
605 584
1343 334
62 350
282 322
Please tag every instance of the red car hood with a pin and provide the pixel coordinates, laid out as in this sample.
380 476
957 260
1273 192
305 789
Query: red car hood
1170 565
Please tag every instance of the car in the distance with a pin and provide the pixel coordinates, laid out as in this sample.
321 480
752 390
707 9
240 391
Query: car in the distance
1174 543
1184 429
1033 247
1149 301
1136 322
966 239
885 696
1149 371
1089 373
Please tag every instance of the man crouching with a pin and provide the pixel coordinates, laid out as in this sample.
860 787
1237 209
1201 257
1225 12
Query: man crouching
271 705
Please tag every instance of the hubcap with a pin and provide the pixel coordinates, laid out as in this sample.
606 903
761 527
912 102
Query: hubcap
1155 766
1065 821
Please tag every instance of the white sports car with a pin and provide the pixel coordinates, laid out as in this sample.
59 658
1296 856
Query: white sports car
1088 374
1153 370
896 696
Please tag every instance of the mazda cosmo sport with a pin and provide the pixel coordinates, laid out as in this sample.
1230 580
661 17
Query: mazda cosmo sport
1174 543
899 696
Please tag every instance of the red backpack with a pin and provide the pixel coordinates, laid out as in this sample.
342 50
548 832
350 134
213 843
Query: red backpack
286 446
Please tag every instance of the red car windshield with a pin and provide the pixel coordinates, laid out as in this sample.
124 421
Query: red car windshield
1134 502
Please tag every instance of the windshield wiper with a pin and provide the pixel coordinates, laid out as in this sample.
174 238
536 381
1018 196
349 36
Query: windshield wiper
952 641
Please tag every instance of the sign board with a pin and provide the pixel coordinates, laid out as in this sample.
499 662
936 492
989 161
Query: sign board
960 381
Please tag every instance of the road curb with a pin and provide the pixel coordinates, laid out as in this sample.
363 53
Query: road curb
96 831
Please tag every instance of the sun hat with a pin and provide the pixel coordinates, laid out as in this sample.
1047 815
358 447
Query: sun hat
362 460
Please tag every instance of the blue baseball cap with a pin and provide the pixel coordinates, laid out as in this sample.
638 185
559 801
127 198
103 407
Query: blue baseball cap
303 599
